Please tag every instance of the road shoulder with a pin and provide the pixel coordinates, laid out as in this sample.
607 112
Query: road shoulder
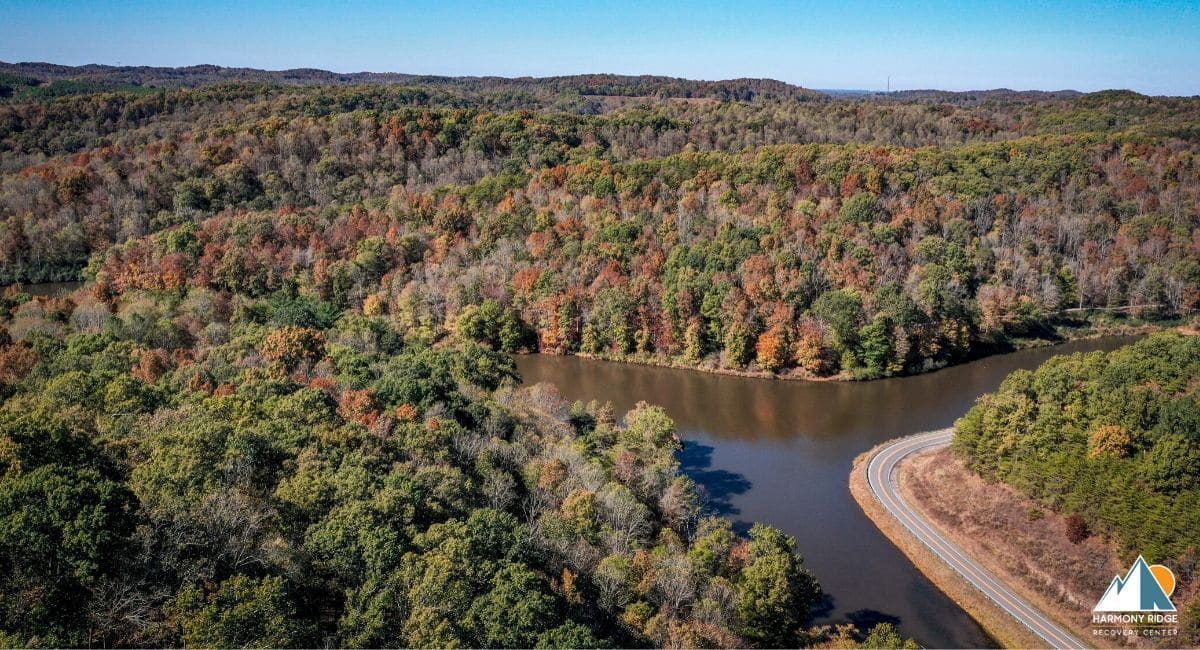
994 620
991 523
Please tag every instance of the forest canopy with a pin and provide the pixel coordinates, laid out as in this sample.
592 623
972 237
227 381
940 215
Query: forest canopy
295 487
1112 438
282 410
771 230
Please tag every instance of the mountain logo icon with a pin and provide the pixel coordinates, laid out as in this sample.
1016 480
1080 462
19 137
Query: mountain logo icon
1145 588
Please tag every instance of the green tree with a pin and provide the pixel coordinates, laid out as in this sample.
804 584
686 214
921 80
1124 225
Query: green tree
570 635
243 612
517 610
481 323
62 530
860 208
875 348
885 636
1173 464
739 345
842 310
374 255
774 592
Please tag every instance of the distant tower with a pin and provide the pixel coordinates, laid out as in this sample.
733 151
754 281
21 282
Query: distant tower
889 84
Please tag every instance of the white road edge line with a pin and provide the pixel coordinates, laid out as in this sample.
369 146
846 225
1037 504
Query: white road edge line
881 479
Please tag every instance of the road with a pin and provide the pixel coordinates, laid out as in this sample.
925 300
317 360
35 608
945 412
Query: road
881 477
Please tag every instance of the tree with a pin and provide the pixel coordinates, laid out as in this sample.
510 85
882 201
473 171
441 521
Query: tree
16 361
359 406
481 323
650 428
693 341
774 592
886 636
1173 464
375 614
514 334
1068 289
515 612
860 208
739 345
570 635
811 351
243 612
374 255
152 365
1109 440
875 348
62 530
290 348
1077 529
842 311
773 350
607 328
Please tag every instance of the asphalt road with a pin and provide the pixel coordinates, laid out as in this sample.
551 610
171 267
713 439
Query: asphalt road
881 476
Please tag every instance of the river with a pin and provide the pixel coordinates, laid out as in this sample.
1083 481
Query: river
779 452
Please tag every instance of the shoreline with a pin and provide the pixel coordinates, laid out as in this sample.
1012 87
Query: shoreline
994 620
1031 344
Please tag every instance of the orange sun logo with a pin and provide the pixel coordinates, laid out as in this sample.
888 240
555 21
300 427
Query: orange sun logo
1164 577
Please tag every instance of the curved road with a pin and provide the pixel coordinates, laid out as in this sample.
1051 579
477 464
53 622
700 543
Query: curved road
881 477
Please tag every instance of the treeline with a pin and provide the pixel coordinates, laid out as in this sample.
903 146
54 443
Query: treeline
1111 438
118 77
727 119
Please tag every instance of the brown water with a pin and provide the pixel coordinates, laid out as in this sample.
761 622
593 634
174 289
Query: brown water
779 452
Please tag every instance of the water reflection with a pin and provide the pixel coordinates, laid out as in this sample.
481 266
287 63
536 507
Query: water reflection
717 486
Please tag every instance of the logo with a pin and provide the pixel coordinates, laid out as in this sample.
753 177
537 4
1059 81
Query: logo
1145 588
1138 604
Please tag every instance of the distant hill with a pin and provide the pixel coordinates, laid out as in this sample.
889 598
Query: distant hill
976 96
50 79
98 76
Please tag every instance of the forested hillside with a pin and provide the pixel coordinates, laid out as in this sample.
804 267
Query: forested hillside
1111 438
283 486
770 230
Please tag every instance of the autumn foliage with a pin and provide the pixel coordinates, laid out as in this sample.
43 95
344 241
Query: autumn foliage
290 348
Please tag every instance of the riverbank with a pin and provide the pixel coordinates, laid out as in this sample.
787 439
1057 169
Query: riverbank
779 452
998 623
1014 538
711 366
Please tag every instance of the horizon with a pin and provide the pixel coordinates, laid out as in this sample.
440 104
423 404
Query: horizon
823 89
1025 46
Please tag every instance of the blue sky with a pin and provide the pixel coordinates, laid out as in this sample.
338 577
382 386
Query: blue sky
1151 47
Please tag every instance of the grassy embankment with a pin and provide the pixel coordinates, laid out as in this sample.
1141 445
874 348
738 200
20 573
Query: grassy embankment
994 620
993 525
1022 544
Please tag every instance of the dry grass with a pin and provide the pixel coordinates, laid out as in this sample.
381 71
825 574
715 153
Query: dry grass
1032 555
993 619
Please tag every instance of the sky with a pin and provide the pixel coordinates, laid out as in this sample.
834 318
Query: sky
1150 47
